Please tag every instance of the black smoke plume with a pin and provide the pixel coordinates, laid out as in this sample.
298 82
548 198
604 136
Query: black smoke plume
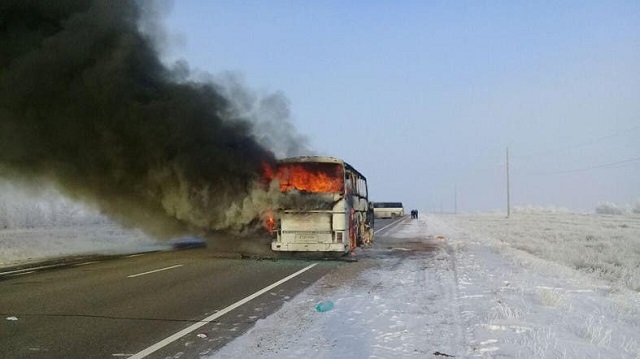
86 104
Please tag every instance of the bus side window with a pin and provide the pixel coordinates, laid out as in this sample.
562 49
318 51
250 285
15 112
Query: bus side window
353 183
347 183
363 188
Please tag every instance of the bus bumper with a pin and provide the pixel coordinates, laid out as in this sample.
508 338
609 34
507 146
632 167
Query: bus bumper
309 247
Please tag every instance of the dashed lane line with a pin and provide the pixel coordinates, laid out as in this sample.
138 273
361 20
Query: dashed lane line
161 344
389 225
154 271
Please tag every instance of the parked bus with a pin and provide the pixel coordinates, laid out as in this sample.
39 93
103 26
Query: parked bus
388 209
326 206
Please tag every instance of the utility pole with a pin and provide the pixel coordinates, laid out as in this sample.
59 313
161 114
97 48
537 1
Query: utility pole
508 189
455 199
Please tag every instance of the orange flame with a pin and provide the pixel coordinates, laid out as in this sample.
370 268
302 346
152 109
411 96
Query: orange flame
269 222
308 177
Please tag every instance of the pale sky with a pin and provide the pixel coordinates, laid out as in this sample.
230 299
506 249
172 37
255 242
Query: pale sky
424 96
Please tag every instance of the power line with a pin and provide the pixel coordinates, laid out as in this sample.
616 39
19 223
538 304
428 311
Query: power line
605 165
581 144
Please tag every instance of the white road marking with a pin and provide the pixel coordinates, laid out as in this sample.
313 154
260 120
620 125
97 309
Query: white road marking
134 255
154 271
30 269
161 344
23 273
390 224
85 263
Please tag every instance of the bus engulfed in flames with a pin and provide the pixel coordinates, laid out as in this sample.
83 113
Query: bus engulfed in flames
313 180
323 205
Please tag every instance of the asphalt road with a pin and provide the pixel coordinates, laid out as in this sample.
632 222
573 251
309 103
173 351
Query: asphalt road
137 306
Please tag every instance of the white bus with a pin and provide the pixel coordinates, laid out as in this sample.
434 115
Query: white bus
388 209
326 206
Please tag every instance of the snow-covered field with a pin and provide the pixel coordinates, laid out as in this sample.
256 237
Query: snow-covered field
20 246
538 285
41 226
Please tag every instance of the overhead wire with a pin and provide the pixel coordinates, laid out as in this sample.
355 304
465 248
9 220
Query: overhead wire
581 144
617 164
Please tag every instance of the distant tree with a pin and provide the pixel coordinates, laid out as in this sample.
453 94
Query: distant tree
608 208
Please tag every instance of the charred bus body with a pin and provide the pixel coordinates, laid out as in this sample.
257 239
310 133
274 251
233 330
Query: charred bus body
325 206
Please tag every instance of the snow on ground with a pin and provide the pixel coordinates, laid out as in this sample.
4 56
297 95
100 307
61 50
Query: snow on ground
24 245
492 288
45 225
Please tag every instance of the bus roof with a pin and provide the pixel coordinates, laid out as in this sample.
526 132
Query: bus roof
320 159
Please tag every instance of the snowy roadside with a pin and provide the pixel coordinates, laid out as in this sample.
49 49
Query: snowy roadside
44 225
32 245
414 295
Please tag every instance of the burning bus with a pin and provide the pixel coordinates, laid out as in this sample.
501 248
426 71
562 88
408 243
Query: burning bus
324 206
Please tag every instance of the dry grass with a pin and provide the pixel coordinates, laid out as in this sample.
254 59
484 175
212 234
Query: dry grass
550 297
605 246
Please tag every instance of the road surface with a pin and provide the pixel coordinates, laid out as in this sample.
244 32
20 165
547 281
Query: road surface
150 305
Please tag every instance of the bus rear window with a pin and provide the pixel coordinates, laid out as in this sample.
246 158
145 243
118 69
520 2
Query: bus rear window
314 177
387 205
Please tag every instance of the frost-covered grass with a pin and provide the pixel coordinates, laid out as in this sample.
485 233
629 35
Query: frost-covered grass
34 244
45 225
596 332
550 297
605 246
612 208
504 311
23 209
539 305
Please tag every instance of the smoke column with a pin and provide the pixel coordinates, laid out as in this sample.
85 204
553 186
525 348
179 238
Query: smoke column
87 105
